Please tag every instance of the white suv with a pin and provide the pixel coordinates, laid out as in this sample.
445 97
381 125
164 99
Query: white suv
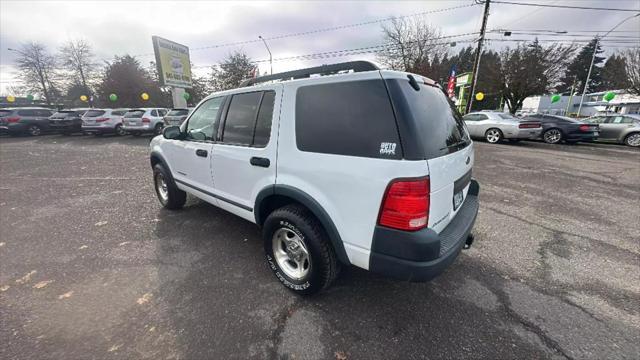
102 121
370 168
144 120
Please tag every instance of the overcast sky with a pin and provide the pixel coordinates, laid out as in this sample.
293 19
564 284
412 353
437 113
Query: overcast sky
126 27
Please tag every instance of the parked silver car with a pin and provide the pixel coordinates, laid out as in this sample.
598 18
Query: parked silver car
144 120
102 121
495 126
623 129
176 116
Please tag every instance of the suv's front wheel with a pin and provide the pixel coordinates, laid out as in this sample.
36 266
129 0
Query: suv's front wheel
168 193
298 251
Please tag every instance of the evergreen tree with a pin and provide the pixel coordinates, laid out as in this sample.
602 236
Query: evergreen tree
126 78
614 74
579 68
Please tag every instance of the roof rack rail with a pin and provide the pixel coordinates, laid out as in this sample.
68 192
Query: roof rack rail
356 66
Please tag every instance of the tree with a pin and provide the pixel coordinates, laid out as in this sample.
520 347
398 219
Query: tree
199 90
126 78
72 97
489 81
77 58
614 74
235 68
632 60
412 45
531 69
37 70
579 68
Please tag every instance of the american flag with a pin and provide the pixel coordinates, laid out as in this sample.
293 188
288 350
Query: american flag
451 85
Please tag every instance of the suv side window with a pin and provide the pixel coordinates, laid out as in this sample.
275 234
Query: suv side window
162 112
241 118
263 123
352 118
27 112
154 113
481 117
470 117
202 124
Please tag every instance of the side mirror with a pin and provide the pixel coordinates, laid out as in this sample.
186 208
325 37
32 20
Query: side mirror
172 133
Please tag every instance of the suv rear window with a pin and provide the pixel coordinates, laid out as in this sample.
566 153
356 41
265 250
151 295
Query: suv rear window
349 118
134 114
118 112
62 114
179 112
94 113
429 124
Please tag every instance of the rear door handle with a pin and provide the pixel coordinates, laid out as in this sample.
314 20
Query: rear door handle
201 152
260 161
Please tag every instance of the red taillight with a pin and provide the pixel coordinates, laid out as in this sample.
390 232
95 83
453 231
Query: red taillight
102 119
405 205
529 125
13 119
585 128
146 120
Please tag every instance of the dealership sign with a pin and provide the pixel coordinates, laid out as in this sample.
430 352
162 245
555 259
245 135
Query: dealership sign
172 60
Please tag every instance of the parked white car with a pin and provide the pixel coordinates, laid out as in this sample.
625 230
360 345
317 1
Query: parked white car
330 172
495 126
144 120
103 121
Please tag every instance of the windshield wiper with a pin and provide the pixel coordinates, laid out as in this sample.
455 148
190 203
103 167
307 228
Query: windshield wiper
461 142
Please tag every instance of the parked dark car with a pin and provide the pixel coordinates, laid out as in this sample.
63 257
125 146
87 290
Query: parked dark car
32 121
175 117
556 129
66 121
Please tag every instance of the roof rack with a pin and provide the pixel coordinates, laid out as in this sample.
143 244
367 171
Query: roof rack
356 66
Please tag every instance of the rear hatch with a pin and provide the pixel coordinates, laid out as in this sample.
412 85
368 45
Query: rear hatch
431 129
134 117
4 114
117 115
62 118
90 117
175 116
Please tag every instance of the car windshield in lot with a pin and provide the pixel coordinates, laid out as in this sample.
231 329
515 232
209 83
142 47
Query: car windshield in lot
178 112
94 113
134 114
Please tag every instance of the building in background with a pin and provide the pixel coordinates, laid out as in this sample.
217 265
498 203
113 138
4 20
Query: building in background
622 103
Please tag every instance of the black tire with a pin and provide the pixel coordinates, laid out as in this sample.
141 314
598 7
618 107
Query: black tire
515 141
493 135
97 133
119 131
66 133
323 264
158 129
34 130
631 139
552 136
175 198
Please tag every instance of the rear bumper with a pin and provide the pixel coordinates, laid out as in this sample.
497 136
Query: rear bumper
64 127
14 128
98 129
581 137
424 254
138 128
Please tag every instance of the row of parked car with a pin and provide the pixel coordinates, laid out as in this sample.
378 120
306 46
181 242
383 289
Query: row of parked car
494 126
35 121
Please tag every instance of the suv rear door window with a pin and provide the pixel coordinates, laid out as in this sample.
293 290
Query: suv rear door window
349 118
263 123
241 118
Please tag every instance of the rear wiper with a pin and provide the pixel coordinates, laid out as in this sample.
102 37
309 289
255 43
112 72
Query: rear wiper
461 142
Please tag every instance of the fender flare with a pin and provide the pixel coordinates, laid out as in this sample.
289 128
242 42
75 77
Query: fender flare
310 203
157 155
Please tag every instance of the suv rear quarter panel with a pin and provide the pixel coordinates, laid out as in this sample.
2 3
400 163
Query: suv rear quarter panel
349 188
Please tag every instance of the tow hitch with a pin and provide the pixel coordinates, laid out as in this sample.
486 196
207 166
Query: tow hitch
467 244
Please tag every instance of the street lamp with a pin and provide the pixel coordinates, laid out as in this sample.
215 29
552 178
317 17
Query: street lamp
269 50
593 58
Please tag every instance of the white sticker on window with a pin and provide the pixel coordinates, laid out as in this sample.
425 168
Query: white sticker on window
387 148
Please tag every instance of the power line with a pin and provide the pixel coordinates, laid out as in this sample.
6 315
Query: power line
565 6
333 28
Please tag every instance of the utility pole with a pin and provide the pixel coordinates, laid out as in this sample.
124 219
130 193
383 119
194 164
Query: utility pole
269 50
476 63
593 58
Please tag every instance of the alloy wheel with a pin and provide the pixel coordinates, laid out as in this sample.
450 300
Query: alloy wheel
552 136
34 130
633 139
291 253
162 188
493 136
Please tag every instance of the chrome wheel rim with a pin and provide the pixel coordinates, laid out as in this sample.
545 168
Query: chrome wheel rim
34 130
162 188
119 130
493 136
159 129
552 136
291 254
633 140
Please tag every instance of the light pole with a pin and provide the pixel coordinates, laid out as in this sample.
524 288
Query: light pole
269 50
593 58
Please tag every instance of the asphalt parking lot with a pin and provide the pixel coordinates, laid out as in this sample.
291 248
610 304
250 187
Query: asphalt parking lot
91 267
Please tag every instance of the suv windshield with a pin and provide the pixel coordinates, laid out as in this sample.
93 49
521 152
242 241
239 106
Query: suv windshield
438 127
94 113
134 114
178 112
